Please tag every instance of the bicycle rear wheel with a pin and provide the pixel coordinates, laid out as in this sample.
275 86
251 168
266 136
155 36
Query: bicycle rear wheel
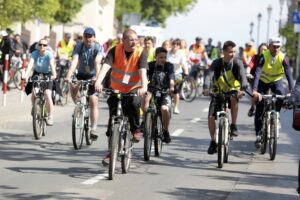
127 152
37 119
115 139
188 89
65 92
148 135
221 146
17 78
273 139
158 136
78 128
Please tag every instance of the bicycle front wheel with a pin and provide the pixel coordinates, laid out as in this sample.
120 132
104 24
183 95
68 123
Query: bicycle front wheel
115 139
221 146
78 127
188 89
17 78
158 136
87 131
264 137
273 139
37 119
226 146
148 135
127 152
65 92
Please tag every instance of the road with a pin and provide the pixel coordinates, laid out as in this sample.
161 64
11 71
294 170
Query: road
51 169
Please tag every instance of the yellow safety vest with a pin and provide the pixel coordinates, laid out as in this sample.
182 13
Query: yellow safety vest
66 50
226 83
272 72
151 55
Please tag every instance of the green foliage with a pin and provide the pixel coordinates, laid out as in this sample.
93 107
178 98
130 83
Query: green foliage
157 10
68 10
290 47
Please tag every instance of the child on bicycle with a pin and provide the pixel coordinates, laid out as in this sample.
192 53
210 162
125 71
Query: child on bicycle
161 76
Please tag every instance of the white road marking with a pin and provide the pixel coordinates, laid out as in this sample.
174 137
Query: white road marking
205 110
95 179
195 120
177 132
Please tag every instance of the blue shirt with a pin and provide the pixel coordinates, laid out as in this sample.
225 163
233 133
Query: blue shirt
86 62
42 62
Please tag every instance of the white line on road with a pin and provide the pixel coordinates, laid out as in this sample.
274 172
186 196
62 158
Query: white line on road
195 120
95 179
177 132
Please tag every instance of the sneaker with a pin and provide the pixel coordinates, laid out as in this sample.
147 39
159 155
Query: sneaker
251 111
212 148
233 130
258 142
49 121
167 138
176 111
94 135
105 161
136 137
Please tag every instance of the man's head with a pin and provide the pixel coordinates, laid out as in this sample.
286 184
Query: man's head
148 42
209 40
161 55
89 36
274 45
130 40
198 40
229 50
67 37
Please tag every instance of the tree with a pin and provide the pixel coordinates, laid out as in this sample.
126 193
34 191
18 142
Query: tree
68 10
126 6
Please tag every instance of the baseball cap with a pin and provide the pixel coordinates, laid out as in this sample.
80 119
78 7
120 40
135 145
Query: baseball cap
250 43
90 31
276 41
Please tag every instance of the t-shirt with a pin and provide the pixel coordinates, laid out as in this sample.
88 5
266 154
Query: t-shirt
87 55
178 59
42 62
159 75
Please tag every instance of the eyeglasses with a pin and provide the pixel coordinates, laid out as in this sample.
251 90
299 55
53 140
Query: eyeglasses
44 45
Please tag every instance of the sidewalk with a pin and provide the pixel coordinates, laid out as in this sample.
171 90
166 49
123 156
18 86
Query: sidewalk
14 108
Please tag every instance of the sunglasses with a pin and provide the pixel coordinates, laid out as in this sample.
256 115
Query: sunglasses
44 45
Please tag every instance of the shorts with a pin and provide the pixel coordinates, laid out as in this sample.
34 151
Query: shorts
29 86
91 89
215 106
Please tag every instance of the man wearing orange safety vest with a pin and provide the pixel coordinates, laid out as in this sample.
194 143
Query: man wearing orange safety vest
129 67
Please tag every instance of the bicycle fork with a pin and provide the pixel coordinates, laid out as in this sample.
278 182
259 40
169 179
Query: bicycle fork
273 116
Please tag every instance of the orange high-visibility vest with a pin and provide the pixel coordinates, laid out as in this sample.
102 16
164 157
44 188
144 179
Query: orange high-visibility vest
125 73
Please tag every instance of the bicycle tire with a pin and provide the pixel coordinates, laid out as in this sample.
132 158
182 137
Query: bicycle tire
226 146
65 92
77 128
188 89
220 145
37 119
158 136
298 189
148 135
264 137
127 149
273 139
115 139
87 131
17 78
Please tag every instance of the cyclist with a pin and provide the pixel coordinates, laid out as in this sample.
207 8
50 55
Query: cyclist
178 59
209 47
227 74
65 48
248 53
87 55
251 71
128 75
149 48
42 61
161 76
272 66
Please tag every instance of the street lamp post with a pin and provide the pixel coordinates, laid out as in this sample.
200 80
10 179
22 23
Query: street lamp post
269 9
251 30
258 27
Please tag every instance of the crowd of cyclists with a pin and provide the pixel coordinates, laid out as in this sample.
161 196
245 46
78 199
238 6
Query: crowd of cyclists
130 64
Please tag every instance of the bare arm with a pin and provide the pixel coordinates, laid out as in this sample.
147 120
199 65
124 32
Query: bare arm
101 76
72 68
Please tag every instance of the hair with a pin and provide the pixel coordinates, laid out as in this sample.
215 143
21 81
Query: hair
258 48
127 32
160 50
176 41
228 44
149 38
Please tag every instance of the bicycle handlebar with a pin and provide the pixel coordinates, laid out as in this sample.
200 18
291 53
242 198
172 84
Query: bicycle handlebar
109 91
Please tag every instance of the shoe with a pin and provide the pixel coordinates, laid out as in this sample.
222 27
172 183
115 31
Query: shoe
258 142
49 121
212 148
94 135
176 111
105 161
167 138
136 137
251 111
233 130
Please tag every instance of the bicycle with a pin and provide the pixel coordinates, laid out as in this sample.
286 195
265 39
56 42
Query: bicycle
197 73
153 127
39 112
224 133
120 143
62 69
270 124
81 116
15 73
187 87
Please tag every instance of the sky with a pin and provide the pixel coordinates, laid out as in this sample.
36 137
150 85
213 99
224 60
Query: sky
226 20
